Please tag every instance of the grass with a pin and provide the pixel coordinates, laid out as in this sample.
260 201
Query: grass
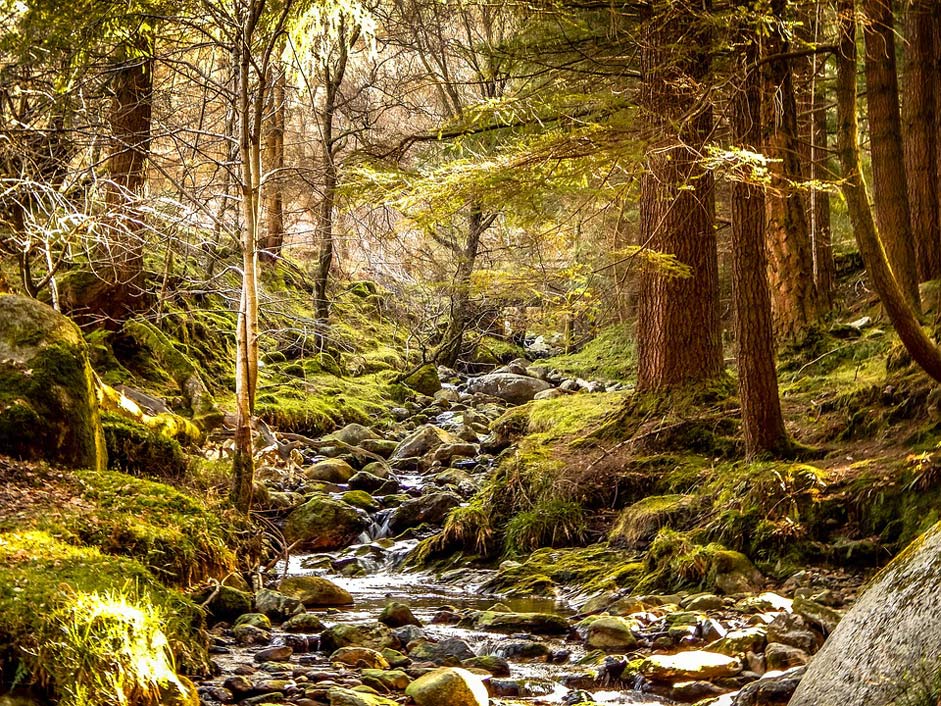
611 355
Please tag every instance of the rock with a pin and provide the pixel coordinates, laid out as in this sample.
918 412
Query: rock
360 657
612 633
824 618
48 400
367 482
444 453
734 573
781 657
704 601
227 604
550 394
315 591
324 523
361 499
739 642
354 434
277 605
348 697
792 630
424 380
423 441
536 623
380 447
497 666
251 635
515 389
331 470
683 624
450 649
689 691
304 622
431 508
375 636
397 615
521 650
692 666
257 620
281 653
771 691
448 686
385 679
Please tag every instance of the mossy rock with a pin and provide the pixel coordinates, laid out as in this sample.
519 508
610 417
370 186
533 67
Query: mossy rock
48 406
139 451
324 523
425 380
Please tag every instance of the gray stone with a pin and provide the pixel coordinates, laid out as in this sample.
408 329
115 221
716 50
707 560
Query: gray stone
515 389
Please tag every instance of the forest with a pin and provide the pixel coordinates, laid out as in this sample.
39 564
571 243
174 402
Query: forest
470 353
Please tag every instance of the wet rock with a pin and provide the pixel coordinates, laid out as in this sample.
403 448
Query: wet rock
397 615
324 523
423 441
772 691
227 604
683 624
425 380
453 686
239 685
209 693
385 680
791 629
444 453
521 650
739 642
703 601
339 696
277 605
375 635
360 657
820 616
781 657
612 633
315 591
301 643
450 650
694 665
380 447
280 653
366 481
331 470
251 635
304 622
515 389
497 666
409 633
431 509
536 623
695 690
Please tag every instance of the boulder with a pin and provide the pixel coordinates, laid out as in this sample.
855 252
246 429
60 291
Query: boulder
304 623
324 523
450 649
536 623
889 641
277 605
348 697
425 380
779 657
694 665
380 447
227 604
423 441
361 657
280 653
771 691
315 591
738 642
820 616
375 636
48 399
452 686
611 633
397 615
431 508
331 470
354 434
515 389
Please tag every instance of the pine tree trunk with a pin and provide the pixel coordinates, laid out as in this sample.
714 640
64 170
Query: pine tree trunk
824 265
452 342
762 422
921 131
274 152
890 186
793 292
897 306
678 331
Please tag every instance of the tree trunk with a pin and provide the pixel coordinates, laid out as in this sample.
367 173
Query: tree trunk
921 125
853 186
678 331
824 265
449 351
794 296
274 185
130 121
762 422
890 187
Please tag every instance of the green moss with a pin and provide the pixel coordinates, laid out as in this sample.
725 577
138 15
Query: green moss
49 594
611 355
549 523
424 380
641 521
496 351
137 450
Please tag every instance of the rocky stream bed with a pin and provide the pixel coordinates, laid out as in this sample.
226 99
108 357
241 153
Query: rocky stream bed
341 622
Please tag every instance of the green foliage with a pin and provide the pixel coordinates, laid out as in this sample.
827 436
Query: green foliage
549 523
610 355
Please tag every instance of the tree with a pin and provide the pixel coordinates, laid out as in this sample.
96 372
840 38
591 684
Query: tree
890 187
793 292
921 133
678 330
762 421
274 164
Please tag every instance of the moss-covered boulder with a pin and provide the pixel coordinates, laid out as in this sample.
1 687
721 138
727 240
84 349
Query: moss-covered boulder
140 451
888 646
424 380
48 406
448 685
324 523
315 591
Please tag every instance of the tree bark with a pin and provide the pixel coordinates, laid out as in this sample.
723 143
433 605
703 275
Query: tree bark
890 186
897 306
762 422
678 330
274 151
824 265
793 292
921 125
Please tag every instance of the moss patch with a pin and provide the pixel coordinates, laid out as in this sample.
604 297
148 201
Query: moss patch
611 355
